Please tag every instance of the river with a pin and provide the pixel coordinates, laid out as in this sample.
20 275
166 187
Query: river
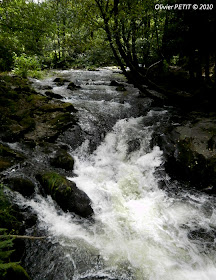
140 230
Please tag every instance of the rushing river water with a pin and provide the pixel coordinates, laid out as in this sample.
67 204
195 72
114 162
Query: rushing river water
140 231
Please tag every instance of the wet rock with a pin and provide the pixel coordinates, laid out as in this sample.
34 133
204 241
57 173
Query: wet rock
114 83
190 152
49 126
133 145
60 81
54 106
9 157
21 184
121 88
73 86
45 87
53 95
66 194
62 160
31 117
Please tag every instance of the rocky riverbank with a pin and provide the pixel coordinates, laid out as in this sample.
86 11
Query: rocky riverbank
34 121
190 150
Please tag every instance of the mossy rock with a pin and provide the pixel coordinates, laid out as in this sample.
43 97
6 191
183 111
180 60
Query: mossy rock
73 86
31 117
51 94
60 81
37 100
57 106
28 123
9 157
62 120
5 163
65 193
62 160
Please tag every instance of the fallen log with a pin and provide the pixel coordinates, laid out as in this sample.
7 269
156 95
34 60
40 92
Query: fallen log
24 236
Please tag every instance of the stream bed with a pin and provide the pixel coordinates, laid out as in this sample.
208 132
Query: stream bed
140 230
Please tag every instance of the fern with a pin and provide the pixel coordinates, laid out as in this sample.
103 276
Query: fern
6 245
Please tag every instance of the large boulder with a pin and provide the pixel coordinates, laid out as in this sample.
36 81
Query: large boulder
190 152
66 193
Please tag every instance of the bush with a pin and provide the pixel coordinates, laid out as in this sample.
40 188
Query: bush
26 65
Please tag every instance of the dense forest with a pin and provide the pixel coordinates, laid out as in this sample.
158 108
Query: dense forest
136 34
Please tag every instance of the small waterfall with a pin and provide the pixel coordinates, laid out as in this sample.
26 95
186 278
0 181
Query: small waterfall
139 231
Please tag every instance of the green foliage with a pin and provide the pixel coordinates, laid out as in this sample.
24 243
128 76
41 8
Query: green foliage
26 65
8 269
89 34
6 245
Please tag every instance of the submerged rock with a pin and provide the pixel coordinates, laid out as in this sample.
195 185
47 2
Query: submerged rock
66 194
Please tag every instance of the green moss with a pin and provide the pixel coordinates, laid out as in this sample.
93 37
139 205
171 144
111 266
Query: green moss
13 271
4 164
61 119
35 98
5 151
8 269
8 157
7 214
28 123
56 183
63 107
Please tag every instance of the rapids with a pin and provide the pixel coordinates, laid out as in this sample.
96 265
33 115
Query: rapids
140 231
